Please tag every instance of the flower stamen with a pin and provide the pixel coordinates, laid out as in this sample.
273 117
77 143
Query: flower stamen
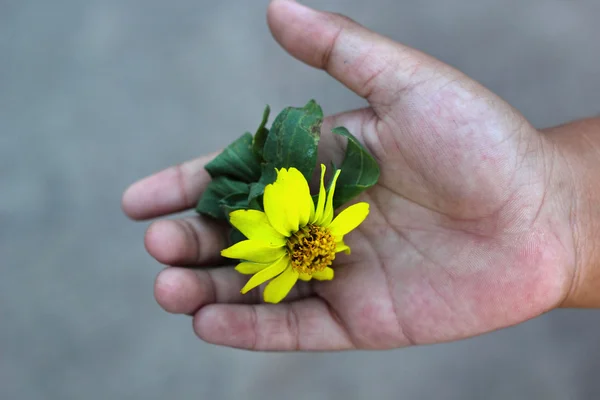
311 249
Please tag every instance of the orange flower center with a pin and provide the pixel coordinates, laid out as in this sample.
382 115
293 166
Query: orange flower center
311 249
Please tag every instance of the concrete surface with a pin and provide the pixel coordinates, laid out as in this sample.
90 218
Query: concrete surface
97 93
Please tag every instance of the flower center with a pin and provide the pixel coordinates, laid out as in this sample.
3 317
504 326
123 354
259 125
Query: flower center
311 249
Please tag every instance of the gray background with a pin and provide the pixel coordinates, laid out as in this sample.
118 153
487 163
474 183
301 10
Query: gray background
95 94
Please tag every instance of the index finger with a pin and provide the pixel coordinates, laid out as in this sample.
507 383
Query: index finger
172 190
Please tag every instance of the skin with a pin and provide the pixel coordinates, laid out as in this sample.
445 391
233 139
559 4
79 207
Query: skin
479 221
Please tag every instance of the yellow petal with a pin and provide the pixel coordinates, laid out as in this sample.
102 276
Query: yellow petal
279 287
301 195
328 212
255 225
254 250
305 277
268 273
322 197
274 199
250 268
287 201
325 275
341 246
349 219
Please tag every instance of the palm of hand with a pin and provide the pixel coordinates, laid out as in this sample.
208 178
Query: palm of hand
460 239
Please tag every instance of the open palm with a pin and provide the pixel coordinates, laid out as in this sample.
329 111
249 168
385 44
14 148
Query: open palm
465 233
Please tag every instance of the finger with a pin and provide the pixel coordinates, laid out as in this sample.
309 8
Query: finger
371 65
172 190
307 324
184 291
186 241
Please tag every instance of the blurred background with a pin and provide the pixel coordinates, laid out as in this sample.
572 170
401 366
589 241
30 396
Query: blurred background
95 94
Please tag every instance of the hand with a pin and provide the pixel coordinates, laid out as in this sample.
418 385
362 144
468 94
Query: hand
468 230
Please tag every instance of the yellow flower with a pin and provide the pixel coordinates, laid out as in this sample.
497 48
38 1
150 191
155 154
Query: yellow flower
293 238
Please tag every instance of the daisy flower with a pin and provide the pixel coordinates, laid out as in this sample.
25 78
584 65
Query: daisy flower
293 238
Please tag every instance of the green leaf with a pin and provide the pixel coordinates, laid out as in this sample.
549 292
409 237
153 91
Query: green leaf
255 205
294 137
237 161
258 188
360 170
261 134
217 190
234 201
235 236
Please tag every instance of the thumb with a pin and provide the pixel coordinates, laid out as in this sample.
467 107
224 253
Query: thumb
373 66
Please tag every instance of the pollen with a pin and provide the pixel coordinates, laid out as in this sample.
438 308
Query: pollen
311 249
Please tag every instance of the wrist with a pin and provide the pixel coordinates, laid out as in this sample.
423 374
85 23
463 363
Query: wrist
577 180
